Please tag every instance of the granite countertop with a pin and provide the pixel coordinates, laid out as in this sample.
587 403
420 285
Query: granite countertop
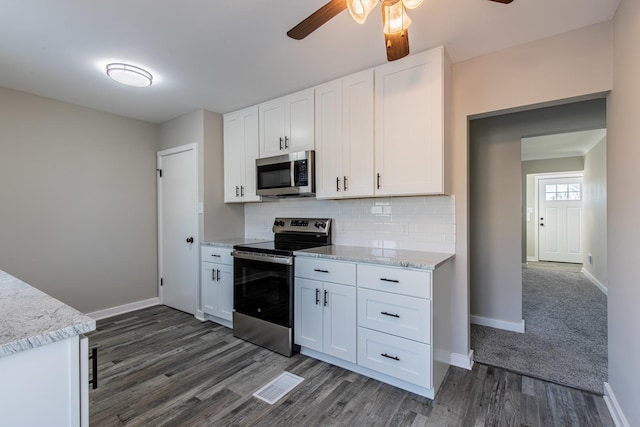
391 257
30 318
232 242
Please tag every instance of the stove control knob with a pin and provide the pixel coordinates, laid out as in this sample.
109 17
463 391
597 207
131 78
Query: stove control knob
320 225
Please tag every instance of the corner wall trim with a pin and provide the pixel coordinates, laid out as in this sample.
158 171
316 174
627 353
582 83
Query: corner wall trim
122 309
595 281
462 361
614 408
497 323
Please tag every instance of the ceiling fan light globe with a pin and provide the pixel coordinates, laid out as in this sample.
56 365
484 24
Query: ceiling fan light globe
412 4
360 9
394 18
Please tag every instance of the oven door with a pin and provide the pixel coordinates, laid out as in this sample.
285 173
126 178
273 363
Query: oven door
263 287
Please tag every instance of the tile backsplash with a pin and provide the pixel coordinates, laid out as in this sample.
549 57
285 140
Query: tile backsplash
413 223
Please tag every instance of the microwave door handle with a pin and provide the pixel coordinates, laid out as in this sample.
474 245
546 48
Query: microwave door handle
292 166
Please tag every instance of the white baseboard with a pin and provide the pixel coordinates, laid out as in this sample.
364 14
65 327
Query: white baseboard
614 407
462 361
595 281
498 324
121 309
532 259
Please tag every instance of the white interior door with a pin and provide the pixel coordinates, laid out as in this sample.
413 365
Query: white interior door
560 219
178 233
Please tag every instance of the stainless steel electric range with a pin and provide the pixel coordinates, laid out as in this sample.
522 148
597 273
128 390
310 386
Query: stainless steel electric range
263 282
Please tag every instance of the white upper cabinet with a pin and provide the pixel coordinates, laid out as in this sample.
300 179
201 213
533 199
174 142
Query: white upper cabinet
409 125
344 137
287 124
240 153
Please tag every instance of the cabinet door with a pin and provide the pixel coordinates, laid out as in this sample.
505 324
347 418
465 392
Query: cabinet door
233 156
357 139
209 287
299 122
251 145
308 313
328 110
225 292
339 323
272 128
409 100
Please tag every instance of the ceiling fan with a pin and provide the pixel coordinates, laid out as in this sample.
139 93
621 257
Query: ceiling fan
395 21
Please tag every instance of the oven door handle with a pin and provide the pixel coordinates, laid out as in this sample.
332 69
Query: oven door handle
271 259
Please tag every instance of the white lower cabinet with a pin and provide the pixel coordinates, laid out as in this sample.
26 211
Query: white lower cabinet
382 327
325 312
216 282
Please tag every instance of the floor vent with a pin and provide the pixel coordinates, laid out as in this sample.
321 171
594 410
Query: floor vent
277 388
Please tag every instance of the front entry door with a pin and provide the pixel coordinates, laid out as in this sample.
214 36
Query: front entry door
178 227
560 219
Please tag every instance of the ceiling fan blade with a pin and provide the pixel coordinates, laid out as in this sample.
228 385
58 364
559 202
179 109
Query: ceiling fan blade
397 45
317 19
502 1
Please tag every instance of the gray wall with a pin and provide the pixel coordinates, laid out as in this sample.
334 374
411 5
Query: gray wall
623 211
565 164
78 197
204 128
496 206
594 206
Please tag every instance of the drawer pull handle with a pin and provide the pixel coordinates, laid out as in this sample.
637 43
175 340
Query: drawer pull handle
389 280
390 357
390 314
321 271
216 255
317 296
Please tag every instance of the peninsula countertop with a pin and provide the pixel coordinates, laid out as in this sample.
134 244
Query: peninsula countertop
391 257
30 318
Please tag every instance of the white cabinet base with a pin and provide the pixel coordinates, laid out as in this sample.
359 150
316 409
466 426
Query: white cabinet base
422 391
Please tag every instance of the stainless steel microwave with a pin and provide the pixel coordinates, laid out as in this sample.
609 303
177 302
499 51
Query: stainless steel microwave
289 175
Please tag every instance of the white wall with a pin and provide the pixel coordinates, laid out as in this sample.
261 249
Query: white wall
413 223
623 231
567 66
78 201
204 128
594 207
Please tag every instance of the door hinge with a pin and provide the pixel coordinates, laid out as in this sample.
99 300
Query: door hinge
161 281
159 170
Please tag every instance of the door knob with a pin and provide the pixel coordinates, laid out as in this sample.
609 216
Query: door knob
190 240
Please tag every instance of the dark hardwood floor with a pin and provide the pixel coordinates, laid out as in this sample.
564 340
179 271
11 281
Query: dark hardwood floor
162 367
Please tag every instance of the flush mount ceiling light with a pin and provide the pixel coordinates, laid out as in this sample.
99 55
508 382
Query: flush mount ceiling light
395 21
129 75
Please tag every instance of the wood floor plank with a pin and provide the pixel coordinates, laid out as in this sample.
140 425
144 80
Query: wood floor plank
162 367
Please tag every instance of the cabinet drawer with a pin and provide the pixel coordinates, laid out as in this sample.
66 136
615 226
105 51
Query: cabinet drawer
408 317
219 254
416 283
326 270
398 357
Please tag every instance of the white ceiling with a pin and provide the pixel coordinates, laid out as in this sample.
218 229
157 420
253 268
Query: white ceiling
570 144
224 55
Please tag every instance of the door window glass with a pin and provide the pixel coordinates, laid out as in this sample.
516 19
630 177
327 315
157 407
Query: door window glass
561 192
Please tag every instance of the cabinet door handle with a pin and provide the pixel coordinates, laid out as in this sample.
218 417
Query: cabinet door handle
378 181
390 314
218 276
389 280
281 143
286 142
390 357
237 190
242 191
317 296
321 271
344 183
337 183
213 274
326 293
